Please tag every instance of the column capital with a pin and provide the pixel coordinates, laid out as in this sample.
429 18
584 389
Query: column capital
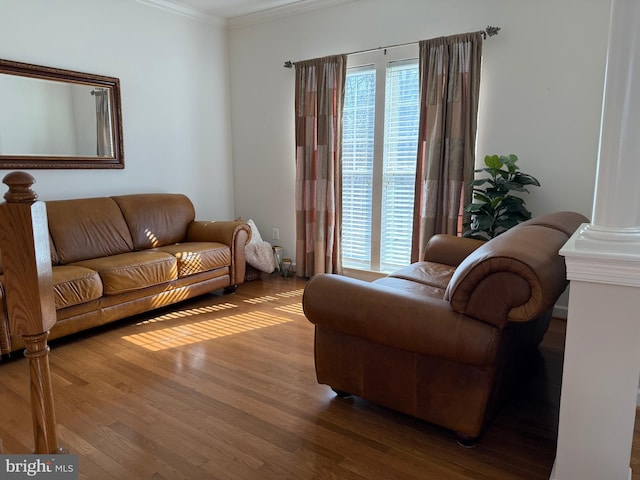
604 255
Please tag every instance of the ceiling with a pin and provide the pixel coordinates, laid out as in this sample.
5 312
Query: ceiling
237 8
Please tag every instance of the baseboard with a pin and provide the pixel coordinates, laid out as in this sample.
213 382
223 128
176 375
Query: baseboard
560 311
553 473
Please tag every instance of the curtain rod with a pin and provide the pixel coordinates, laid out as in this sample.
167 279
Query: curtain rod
488 32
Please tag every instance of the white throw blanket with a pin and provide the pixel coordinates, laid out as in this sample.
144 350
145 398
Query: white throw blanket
257 252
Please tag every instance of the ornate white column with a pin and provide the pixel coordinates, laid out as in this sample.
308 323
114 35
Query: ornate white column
617 199
602 351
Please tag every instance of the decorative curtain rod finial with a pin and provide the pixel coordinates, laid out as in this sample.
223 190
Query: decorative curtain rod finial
491 31
288 64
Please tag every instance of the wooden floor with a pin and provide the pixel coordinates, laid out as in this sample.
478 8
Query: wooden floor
223 387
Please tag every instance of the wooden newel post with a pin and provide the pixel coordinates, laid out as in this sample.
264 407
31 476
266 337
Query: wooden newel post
26 259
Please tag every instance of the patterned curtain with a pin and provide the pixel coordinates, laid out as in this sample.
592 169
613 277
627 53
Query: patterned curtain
449 87
319 99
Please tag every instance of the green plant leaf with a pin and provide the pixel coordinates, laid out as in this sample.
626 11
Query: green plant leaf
479 181
478 235
483 197
517 187
525 179
484 223
508 221
510 162
474 208
493 162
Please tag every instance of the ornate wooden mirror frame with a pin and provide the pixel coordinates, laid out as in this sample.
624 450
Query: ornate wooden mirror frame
54 118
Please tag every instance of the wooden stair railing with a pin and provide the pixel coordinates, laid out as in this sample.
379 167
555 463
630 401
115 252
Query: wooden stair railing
26 259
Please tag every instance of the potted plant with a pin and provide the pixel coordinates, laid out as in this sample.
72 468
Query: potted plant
494 210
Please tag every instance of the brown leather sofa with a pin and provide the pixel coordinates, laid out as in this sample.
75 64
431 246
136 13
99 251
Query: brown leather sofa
118 256
441 339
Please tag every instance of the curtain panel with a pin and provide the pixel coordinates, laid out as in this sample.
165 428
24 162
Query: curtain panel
319 98
449 88
104 144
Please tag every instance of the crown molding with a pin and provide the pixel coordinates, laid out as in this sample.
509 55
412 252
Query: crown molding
296 8
186 11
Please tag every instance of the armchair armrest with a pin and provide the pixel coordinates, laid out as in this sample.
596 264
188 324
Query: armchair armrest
450 249
414 323
516 276
231 233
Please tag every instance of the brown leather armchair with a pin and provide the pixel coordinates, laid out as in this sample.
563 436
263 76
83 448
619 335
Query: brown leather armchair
441 338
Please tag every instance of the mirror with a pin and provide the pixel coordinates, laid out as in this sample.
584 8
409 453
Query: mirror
53 118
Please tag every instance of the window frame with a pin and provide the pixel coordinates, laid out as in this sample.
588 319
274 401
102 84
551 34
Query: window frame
378 60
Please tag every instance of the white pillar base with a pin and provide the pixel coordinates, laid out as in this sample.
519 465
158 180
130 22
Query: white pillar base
601 365
553 475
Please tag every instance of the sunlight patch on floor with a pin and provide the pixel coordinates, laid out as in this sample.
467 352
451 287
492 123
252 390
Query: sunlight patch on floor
257 300
295 308
188 313
292 293
205 330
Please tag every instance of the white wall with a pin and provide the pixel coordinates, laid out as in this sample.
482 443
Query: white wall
541 91
173 74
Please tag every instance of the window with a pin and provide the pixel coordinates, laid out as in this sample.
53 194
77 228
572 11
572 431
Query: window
379 147
357 167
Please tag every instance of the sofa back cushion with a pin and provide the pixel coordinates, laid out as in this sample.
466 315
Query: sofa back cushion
87 228
156 219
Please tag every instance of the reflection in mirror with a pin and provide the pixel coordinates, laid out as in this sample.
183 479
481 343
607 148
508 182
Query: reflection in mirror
42 117
52 118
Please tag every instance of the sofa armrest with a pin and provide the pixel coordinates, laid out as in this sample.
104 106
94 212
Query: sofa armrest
415 323
231 233
214 231
516 276
450 249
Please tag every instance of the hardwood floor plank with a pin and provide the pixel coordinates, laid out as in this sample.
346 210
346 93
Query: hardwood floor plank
224 387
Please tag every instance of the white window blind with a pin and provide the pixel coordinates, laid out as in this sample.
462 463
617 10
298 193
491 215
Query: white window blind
399 163
357 166
380 128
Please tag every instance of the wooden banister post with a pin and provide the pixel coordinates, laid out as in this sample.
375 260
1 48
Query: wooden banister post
26 259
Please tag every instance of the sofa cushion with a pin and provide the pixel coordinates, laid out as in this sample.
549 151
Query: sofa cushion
87 228
74 285
432 274
133 270
156 219
416 288
196 257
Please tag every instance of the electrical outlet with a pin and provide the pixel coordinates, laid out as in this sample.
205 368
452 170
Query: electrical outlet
276 234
